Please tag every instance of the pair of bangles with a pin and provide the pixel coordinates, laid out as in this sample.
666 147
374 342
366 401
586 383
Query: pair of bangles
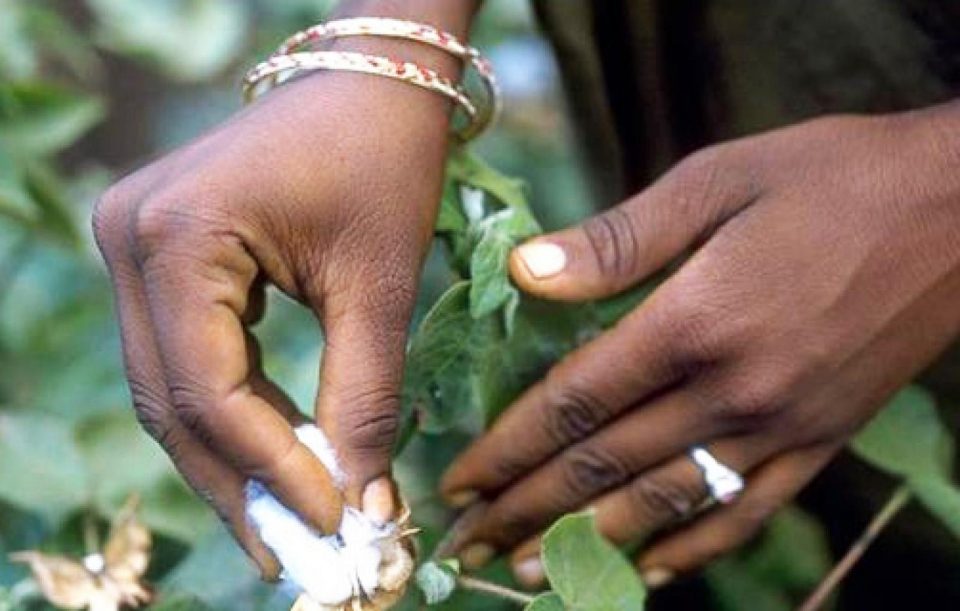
295 56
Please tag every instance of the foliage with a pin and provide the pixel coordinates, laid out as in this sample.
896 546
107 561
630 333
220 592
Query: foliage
71 451
909 441
437 580
576 559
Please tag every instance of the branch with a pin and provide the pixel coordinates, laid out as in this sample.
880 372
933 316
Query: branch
487 587
900 497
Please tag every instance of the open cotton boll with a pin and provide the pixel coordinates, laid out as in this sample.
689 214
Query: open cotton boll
339 571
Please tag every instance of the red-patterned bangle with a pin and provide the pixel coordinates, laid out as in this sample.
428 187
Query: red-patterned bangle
407 30
279 68
276 69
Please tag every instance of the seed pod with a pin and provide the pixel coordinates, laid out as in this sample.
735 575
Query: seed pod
396 567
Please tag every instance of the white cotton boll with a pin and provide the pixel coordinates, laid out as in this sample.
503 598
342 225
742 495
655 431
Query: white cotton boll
333 569
309 561
312 437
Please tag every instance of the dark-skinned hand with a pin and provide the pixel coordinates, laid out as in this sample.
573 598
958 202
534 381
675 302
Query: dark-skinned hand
326 188
824 275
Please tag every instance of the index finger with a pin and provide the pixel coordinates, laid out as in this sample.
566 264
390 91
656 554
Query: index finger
588 389
197 290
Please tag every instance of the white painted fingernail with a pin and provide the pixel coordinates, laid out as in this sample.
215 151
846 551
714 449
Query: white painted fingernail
459 500
530 572
377 500
657 577
542 259
476 555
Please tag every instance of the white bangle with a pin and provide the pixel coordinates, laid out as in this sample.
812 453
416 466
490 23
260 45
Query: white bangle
406 30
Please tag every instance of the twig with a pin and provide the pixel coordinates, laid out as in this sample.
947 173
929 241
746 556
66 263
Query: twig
487 587
900 497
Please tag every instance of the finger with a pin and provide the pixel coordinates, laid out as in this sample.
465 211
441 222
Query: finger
365 326
589 388
653 500
198 288
674 491
211 477
729 526
617 248
636 442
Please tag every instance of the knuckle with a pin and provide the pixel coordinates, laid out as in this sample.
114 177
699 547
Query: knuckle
662 499
167 218
371 424
750 400
708 183
612 237
509 466
192 407
573 411
590 469
152 414
154 223
692 330
109 221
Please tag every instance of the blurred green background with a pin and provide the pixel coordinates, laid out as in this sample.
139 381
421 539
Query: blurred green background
90 89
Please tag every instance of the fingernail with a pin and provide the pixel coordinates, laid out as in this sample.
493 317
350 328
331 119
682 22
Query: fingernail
542 259
529 572
475 556
657 577
377 501
459 500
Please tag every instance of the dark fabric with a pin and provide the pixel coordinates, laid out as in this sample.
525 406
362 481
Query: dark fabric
651 80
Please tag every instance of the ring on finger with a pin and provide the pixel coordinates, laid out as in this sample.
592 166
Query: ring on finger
723 483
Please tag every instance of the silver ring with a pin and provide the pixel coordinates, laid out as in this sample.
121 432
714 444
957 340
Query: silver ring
724 483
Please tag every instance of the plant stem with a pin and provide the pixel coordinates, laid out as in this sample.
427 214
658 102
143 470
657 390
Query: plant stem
487 587
900 497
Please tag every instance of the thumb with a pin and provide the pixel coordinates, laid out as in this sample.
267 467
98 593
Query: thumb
358 403
617 248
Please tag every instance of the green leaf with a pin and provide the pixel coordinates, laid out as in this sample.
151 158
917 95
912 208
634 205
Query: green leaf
907 438
42 468
18 54
941 498
437 580
471 170
491 286
56 220
15 201
548 601
450 218
777 570
437 382
586 571
542 332
169 507
219 574
212 30
39 119
103 438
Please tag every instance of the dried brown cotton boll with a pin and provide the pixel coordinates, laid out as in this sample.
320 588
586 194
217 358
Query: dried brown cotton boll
395 568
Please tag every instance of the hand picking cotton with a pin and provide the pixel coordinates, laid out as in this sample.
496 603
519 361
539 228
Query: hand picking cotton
365 566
